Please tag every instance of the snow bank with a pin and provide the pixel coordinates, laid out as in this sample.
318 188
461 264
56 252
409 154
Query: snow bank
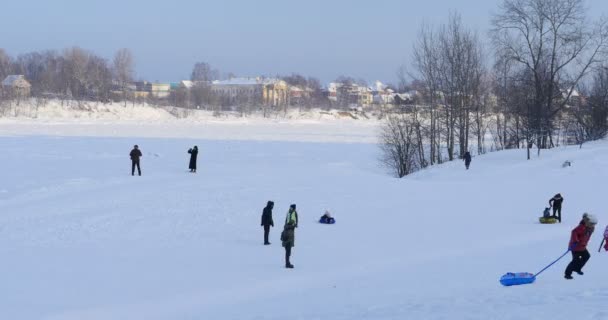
116 120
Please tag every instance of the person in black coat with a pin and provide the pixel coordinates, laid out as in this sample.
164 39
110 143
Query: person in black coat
467 159
193 154
267 220
135 155
556 204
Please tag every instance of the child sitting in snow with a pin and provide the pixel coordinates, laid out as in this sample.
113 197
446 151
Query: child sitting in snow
327 218
546 213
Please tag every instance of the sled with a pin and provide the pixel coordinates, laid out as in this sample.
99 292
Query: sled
547 220
327 220
514 279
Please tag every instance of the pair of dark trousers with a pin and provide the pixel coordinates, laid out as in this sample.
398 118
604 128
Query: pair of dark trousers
287 255
579 258
557 212
266 232
133 164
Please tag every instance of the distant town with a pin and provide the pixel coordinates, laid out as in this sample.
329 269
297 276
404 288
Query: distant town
80 75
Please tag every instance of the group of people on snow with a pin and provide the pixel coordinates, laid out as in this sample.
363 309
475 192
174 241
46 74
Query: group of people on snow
288 236
136 154
579 237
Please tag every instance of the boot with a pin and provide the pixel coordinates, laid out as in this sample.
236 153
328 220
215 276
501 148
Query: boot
288 264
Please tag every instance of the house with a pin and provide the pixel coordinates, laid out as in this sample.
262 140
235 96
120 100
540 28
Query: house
17 86
159 90
382 94
298 95
349 94
267 91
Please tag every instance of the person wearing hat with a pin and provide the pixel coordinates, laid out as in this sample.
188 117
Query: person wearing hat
556 204
578 245
288 234
135 155
267 220
193 154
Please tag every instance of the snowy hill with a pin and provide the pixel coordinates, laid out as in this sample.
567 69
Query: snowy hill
82 239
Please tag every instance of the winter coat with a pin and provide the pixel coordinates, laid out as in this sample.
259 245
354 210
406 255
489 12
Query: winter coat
556 201
267 215
467 157
606 238
289 235
193 154
580 237
135 154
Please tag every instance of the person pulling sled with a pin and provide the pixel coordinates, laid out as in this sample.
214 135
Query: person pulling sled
578 245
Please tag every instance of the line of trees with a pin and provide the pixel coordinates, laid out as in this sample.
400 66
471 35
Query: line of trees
548 83
73 74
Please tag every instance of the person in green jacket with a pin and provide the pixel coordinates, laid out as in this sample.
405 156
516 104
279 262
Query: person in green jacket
288 235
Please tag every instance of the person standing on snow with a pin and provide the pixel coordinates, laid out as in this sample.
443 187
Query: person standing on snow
288 234
193 154
467 159
267 220
578 245
135 155
556 204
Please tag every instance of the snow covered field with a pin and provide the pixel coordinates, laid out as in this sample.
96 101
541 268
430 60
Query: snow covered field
82 239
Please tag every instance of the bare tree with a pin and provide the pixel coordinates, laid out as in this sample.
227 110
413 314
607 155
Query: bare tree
122 67
426 63
98 79
399 145
5 64
75 72
553 41
203 72
591 117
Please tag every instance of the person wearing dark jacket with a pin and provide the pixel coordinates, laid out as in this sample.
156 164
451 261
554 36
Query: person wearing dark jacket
193 154
267 220
288 234
556 204
135 155
467 159
578 245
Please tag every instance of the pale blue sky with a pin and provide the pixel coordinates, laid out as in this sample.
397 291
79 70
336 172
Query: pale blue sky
323 38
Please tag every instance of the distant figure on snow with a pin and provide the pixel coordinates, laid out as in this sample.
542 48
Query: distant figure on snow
267 220
288 234
193 154
135 155
556 204
327 218
578 245
546 213
467 159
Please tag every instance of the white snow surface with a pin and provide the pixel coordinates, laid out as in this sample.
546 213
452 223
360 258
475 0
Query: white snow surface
82 239
118 120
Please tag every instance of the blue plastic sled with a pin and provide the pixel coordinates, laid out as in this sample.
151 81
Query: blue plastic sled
514 279
327 220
